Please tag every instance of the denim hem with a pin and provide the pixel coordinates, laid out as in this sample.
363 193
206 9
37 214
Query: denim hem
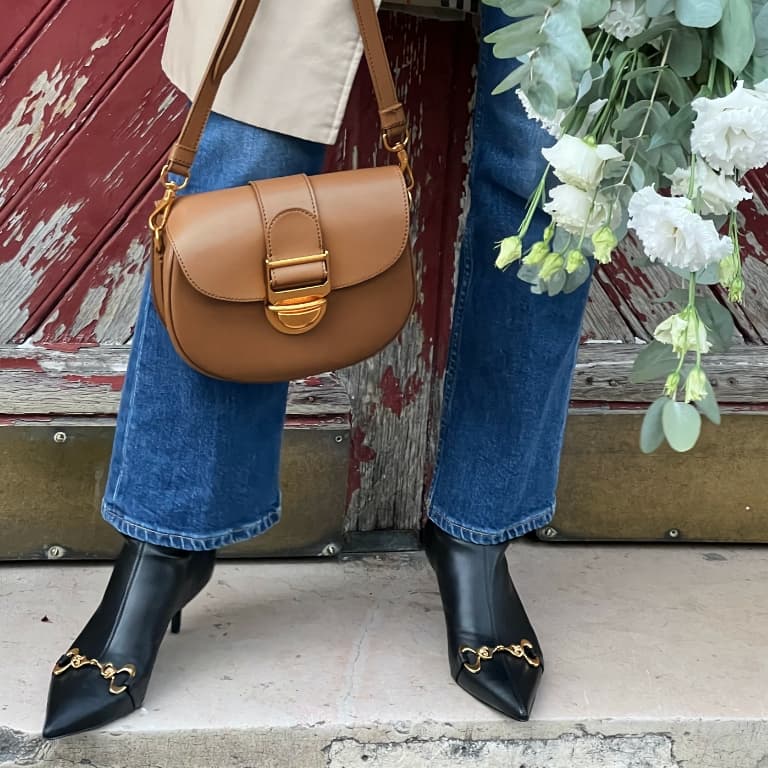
458 531
118 520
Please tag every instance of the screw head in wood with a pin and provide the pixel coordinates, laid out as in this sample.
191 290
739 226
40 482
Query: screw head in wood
55 552
550 532
673 533
60 437
339 438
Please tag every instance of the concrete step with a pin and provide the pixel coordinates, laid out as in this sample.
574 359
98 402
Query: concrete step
655 659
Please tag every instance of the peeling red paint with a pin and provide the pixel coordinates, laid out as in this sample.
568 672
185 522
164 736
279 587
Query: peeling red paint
360 454
391 394
20 363
313 381
114 382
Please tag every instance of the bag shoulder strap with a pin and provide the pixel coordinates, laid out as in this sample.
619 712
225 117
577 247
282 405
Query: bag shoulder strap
391 112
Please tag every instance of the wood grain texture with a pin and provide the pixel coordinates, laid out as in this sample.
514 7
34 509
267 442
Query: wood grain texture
393 432
72 380
52 232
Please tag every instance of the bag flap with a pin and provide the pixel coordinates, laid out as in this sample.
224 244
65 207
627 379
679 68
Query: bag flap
219 237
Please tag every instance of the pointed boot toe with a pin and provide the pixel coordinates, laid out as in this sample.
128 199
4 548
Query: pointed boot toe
105 674
82 702
504 683
493 651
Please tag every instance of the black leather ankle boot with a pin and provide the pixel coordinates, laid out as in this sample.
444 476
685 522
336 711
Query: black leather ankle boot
105 673
492 649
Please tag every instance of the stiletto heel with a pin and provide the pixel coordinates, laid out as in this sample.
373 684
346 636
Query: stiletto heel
105 673
492 649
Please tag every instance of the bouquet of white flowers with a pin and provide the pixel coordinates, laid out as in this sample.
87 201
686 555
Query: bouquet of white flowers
659 108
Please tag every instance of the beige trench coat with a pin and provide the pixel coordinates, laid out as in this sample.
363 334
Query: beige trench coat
294 72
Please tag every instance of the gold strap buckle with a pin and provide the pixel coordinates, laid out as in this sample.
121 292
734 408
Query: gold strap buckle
524 650
399 148
297 310
76 660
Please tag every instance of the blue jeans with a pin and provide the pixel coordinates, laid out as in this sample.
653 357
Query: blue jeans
195 463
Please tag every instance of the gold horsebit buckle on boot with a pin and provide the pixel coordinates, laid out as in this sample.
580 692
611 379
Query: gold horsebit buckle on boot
523 651
108 671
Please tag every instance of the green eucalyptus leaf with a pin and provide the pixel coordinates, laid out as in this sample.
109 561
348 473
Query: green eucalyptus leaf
552 85
682 425
568 41
760 24
652 33
556 283
734 38
522 35
677 130
576 279
702 14
591 12
756 71
685 52
676 88
655 361
708 406
513 79
518 8
659 7
674 296
652 431
719 322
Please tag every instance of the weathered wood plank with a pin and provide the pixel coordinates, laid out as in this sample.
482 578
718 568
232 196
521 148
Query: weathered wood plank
602 320
18 20
603 371
101 305
72 380
392 427
65 75
53 231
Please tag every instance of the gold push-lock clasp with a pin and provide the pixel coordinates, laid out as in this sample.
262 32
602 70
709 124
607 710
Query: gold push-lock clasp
297 310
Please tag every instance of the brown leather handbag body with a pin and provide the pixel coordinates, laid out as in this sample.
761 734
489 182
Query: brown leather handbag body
292 276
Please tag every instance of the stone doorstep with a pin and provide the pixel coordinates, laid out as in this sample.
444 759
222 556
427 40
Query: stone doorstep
655 659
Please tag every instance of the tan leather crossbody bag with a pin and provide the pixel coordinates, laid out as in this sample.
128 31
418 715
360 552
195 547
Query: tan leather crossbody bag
292 276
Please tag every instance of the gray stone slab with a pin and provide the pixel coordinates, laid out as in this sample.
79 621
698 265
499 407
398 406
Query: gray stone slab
655 659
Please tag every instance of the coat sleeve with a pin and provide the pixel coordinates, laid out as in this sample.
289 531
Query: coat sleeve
294 72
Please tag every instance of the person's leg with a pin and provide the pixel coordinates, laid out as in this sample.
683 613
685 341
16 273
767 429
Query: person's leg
510 365
195 463
195 466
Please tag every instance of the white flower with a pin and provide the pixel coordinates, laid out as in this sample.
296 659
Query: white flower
553 126
578 162
684 333
731 133
673 234
719 194
570 207
626 18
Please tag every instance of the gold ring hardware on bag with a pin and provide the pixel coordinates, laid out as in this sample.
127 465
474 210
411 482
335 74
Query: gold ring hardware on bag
159 216
399 148
297 310
108 671
484 653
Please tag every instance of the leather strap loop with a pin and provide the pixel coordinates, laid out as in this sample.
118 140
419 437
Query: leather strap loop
391 112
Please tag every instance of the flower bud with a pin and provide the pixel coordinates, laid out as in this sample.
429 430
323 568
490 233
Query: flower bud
696 385
551 266
510 251
672 384
574 260
537 254
604 241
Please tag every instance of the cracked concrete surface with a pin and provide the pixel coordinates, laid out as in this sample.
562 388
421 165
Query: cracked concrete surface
655 660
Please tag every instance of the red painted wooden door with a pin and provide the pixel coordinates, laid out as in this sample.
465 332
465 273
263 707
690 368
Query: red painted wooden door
86 117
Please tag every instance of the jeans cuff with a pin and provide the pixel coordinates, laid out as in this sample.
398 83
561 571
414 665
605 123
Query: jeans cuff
122 524
536 520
